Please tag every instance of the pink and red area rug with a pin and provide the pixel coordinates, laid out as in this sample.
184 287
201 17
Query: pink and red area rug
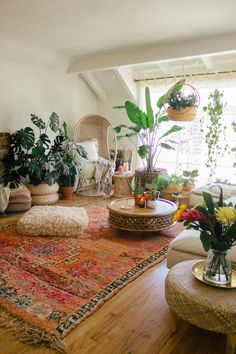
48 285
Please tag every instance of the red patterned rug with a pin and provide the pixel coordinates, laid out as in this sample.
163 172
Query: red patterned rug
50 284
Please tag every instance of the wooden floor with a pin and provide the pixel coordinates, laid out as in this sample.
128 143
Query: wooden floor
134 321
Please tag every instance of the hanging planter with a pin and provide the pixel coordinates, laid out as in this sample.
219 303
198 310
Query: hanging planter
182 107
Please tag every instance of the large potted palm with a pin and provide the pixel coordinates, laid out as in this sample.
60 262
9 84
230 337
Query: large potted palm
144 134
32 157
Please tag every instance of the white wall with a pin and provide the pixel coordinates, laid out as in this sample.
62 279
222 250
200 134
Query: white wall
117 117
26 89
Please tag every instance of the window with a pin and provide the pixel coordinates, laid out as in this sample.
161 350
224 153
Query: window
191 150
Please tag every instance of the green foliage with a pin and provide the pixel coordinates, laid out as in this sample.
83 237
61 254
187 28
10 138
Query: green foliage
215 131
234 148
178 101
146 129
161 183
35 159
66 167
189 177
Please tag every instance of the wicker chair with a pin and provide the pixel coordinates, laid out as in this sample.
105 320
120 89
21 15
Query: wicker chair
98 135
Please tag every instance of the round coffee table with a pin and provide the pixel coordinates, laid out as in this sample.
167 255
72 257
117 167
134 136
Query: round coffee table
202 305
124 215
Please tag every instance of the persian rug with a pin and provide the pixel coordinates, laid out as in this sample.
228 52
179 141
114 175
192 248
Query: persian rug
48 285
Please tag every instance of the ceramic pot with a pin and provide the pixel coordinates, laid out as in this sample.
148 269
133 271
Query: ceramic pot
152 204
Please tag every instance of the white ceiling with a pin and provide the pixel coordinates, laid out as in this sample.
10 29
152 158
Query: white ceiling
82 27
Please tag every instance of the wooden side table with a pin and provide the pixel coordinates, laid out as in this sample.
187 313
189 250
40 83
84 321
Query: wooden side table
121 185
202 305
182 198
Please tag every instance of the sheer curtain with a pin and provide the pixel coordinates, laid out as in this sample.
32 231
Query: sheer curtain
191 150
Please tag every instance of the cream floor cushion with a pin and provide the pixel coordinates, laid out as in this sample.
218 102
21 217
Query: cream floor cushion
53 221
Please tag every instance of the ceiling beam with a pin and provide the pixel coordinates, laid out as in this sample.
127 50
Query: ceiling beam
94 85
125 76
208 63
155 52
163 68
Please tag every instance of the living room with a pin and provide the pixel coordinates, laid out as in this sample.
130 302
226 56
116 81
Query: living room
73 62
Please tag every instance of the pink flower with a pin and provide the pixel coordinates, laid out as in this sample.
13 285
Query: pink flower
192 215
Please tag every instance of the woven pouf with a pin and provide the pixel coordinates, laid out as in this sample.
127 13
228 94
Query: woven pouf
200 304
53 221
20 200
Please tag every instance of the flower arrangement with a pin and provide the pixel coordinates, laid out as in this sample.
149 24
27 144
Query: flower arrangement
217 225
215 221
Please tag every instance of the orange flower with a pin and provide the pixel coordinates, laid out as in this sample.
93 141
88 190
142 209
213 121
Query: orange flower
179 212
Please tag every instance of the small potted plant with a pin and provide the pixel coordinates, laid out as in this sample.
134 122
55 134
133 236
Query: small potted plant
174 186
67 170
181 106
152 202
189 179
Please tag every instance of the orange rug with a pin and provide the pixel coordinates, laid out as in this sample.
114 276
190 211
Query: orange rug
48 285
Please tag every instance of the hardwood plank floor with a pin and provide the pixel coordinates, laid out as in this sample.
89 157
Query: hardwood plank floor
134 321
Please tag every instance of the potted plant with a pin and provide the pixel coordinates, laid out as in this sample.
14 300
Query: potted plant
153 196
160 183
174 186
215 131
67 170
34 158
182 107
144 135
189 179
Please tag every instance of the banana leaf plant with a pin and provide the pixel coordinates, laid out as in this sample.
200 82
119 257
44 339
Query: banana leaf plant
146 127
33 156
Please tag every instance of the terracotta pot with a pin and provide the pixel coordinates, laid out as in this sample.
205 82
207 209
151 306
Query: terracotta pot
67 192
188 187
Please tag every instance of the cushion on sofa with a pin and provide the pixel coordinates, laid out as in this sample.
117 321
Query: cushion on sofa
187 245
53 221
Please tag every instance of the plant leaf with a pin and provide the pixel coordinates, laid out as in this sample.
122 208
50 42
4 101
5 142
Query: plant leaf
163 119
27 137
38 151
143 150
167 146
38 121
136 115
206 240
54 122
119 107
173 129
150 117
209 202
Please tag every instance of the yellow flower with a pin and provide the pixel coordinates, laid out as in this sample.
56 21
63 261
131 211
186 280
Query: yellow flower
226 215
179 212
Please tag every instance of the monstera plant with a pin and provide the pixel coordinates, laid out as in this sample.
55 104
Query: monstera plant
32 155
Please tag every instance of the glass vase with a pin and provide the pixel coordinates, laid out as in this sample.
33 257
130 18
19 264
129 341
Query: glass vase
217 269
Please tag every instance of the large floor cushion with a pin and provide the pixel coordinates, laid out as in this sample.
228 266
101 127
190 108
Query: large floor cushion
53 221
186 246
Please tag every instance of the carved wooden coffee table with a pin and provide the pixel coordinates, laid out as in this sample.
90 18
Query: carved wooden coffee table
124 215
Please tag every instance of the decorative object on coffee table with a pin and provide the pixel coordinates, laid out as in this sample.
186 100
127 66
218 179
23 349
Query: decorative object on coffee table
121 188
200 304
124 215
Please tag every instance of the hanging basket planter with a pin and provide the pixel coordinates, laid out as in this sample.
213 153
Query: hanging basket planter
182 107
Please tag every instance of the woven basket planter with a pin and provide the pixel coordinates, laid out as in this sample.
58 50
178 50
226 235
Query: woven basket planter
43 194
183 115
146 176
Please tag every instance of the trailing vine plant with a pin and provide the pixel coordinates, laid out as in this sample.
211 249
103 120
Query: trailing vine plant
234 148
215 131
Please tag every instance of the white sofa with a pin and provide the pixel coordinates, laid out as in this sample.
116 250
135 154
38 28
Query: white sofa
187 245
195 196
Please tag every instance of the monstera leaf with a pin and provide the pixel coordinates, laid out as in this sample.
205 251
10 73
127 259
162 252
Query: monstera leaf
38 122
54 122
27 138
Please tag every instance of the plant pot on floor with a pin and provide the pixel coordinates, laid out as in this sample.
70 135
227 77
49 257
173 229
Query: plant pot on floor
67 192
43 194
